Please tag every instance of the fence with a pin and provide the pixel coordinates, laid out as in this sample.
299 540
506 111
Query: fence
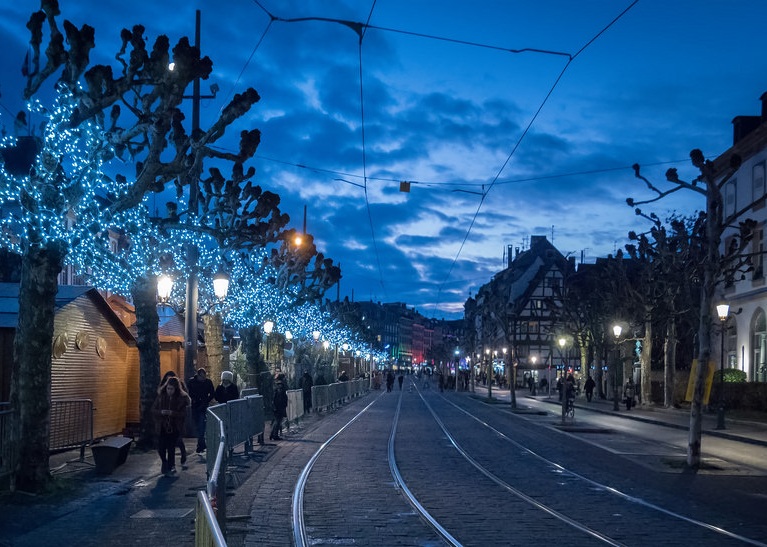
71 425
329 396
210 515
229 425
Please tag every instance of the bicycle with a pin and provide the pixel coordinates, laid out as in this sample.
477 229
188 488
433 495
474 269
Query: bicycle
569 411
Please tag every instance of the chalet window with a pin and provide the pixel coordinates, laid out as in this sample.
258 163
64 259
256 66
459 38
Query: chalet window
730 197
758 185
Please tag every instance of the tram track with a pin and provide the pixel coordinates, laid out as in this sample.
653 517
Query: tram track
440 456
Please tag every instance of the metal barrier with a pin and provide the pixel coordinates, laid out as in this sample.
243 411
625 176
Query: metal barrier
206 530
71 425
295 406
6 454
214 498
329 396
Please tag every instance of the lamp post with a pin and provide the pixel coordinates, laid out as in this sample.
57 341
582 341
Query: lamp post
723 311
562 392
533 360
457 364
617 329
192 253
489 374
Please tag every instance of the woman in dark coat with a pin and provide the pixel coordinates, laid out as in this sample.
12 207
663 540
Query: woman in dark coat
169 411
280 407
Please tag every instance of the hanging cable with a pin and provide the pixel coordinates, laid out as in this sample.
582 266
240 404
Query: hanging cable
519 141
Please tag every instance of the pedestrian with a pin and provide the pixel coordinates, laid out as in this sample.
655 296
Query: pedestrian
227 389
531 383
306 388
570 387
629 392
201 391
169 411
559 387
344 377
279 406
400 379
589 386
180 442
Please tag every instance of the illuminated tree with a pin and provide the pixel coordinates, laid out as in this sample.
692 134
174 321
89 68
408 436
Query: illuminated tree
146 130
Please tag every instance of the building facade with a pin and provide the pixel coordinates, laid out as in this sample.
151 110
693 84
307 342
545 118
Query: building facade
745 331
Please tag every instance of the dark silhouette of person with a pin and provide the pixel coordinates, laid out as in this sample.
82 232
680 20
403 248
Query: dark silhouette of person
400 379
589 387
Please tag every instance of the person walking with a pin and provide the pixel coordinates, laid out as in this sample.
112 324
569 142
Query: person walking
629 391
280 407
400 379
201 391
589 387
227 389
180 442
169 411
306 388
389 380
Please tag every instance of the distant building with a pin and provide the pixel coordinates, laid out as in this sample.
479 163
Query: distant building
514 311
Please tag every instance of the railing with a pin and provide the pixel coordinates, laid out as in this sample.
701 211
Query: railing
71 425
329 396
295 406
210 516
6 454
229 425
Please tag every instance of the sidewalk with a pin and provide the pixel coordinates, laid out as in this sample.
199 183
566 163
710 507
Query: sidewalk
746 431
133 505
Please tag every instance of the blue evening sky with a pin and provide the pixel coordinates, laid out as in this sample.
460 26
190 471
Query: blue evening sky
445 105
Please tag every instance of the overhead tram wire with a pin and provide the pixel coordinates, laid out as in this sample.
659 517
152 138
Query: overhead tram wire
364 156
437 183
360 28
522 136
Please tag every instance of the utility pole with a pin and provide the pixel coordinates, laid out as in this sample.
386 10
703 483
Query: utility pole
190 309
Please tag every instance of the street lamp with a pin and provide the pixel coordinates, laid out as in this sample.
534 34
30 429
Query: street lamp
723 311
221 284
617 329
533 360
164 287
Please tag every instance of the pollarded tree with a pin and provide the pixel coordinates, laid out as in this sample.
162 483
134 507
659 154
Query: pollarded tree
148 131
716 264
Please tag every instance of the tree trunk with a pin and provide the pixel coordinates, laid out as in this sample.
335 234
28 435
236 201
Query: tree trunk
669 364
251 338
214 344
710 273
31 373
144 293
645 359
584 347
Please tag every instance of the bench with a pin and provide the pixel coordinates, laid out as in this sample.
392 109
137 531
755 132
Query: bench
110 453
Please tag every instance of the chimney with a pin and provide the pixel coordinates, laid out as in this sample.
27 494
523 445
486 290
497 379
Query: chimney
763 98
743 125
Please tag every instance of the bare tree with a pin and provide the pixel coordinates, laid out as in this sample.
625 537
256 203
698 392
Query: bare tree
709 184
